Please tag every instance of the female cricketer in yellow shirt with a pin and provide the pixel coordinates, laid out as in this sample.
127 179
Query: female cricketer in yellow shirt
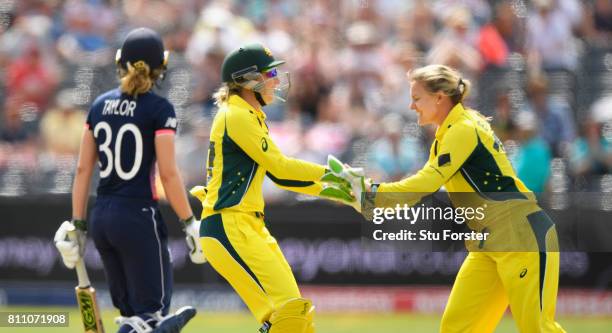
233 234
467 157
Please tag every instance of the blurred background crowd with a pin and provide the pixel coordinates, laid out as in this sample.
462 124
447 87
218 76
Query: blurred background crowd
541 69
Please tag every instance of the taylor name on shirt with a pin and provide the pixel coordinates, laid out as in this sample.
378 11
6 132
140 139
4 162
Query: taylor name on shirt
119 107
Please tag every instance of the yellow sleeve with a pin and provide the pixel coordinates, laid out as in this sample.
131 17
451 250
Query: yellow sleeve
251 135
454 149
305 187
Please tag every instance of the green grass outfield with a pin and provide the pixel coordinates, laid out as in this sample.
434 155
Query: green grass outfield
326 323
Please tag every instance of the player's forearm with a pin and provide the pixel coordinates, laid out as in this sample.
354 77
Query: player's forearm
80 193
405 191
175 192
313 190
256 143
310 188
458 142
427 180
85 168
295 169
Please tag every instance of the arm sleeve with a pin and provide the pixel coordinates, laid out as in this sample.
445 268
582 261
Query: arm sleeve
250 134
454 149
165 120
305 187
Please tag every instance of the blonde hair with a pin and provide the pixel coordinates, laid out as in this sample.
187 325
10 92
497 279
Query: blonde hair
442 78
138 78
224 92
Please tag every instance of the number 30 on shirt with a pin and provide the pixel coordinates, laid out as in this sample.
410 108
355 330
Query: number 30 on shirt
113 156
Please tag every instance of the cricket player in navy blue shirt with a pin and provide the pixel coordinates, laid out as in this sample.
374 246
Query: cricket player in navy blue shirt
129 129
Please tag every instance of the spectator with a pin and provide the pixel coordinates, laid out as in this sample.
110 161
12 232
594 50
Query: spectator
417 26
498 38
329 134
550 40
207 78
13 129
156 14
216 32
394 155
62 126
455 44
555 120
503 122
347 61
31 79
362 62
24 21
599 21
396 86
532 161
192 151
217 28
480 9
312 84
601 110
591 152
88 29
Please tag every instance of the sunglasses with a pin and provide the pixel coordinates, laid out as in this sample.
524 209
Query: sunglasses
271 73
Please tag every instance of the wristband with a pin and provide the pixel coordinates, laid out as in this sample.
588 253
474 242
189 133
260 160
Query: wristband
187 220
79 224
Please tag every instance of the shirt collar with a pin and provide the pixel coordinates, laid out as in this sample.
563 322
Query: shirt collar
455 113
238 101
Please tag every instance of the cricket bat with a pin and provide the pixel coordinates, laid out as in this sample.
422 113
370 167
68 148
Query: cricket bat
86 297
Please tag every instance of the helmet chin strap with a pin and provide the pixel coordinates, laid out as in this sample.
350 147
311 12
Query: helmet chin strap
260 99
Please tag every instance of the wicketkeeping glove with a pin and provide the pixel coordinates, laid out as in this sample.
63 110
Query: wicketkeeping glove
336 188
354 178
191 226
70 240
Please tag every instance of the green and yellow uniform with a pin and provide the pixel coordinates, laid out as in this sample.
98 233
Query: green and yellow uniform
233 234
469 161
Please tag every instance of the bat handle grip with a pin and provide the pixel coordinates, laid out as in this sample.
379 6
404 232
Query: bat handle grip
82 275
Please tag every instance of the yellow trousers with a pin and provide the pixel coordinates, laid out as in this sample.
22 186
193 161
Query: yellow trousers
241 249
490 281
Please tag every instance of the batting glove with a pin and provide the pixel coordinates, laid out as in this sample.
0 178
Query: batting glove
191 226
70 241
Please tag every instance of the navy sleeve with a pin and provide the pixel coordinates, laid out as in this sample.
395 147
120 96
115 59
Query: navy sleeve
165 118
95 105
89 122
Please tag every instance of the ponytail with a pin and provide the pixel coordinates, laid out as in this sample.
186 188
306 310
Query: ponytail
224 92
138 78
463 90
445 79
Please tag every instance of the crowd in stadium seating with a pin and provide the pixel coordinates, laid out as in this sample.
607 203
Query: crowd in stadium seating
541 69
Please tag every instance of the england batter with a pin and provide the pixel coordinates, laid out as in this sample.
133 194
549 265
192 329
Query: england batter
233 234
469 161
128 130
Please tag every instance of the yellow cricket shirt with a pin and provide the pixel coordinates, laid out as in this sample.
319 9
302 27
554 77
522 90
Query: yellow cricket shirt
241 153
465 156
